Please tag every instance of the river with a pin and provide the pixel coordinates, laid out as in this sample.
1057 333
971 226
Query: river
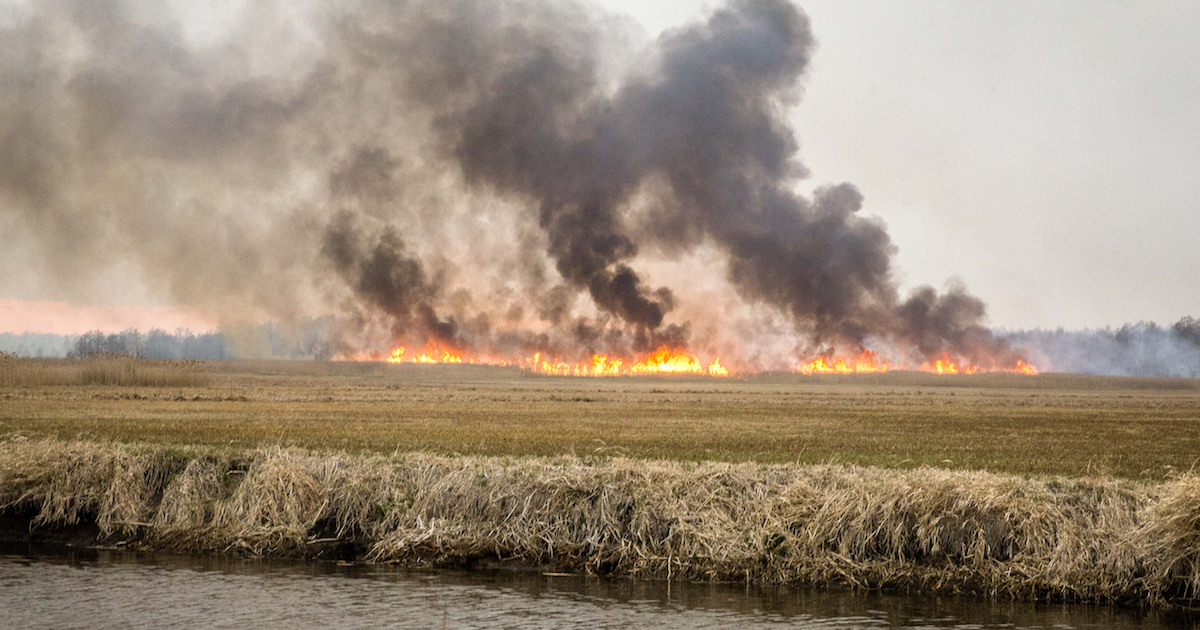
61 588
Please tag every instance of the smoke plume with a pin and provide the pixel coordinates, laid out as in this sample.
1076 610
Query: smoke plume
485 176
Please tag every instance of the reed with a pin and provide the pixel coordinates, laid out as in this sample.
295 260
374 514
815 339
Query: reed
113 371
930 529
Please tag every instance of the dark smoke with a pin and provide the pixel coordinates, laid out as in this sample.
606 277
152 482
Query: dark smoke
460 171
710 121
949 324
377 269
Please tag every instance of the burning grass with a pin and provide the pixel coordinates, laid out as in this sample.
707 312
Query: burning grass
1047 537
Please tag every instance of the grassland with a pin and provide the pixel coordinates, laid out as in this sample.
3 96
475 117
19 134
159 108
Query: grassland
1054 487
1048 424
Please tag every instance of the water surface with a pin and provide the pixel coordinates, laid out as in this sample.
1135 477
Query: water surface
57 588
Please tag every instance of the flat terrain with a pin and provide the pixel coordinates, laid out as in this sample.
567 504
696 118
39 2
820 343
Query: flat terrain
1057 424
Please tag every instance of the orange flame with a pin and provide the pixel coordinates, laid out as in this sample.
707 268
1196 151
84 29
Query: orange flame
866 362
662 361
945 364
1025 368
942 365
666 360
431 354
716 369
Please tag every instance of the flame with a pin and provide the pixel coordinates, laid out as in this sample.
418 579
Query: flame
945 364
431 354
942 365
866 362
869 361
667 360
603 366
600 365
1025 368
716 369
664 360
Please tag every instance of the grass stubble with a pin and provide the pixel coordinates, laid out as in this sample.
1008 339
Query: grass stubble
649 501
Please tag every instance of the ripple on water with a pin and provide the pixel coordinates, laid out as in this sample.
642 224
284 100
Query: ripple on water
108 589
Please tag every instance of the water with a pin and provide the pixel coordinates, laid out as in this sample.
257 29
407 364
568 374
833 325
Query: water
63 589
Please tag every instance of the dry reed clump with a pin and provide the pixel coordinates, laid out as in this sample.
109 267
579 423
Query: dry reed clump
1001 534
117 371
1089 539
1172 538
18 372
71 482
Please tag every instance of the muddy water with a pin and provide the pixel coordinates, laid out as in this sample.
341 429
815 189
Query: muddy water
58 588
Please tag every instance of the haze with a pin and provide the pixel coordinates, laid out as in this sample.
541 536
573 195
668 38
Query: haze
1044 153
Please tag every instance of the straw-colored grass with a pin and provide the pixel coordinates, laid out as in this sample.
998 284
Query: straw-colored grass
112 371
1053 486
929 529
1048 424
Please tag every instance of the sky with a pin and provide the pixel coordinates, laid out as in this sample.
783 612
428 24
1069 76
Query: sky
1045 154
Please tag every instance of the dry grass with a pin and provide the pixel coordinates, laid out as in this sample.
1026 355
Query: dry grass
1050 487
112 371
1051 424
951 531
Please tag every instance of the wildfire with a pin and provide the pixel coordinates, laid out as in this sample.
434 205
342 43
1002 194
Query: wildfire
429 355
1025 368
865 363
600 365
716 369
945 364
662 361
869 362
666 360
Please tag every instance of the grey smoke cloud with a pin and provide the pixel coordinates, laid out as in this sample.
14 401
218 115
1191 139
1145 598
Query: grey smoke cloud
1141 349
329 176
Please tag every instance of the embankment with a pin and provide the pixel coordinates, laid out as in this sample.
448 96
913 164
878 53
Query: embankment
924 529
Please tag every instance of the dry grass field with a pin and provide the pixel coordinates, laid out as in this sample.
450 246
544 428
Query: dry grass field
1044 487
1047 424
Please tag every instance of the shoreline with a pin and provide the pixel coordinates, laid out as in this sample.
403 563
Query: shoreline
923 530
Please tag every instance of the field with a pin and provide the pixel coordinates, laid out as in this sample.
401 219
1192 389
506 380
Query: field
1047 424
1046 487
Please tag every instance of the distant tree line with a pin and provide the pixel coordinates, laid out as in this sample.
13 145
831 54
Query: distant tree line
36 345
265 341
1188 328
156 344
1141 349
308 340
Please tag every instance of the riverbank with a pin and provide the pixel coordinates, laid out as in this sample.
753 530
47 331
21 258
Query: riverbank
922 530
